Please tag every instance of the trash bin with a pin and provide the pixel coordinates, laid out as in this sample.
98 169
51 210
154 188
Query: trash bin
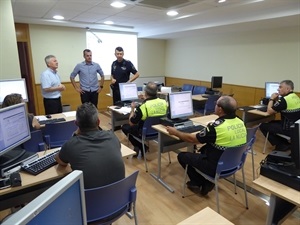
66 108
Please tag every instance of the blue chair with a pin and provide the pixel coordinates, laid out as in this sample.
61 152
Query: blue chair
148 133
197 90
230 162
36 142
209 106
251 137
107 204
187 87
56 134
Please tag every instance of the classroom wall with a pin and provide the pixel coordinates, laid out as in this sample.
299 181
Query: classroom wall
244 58
9 59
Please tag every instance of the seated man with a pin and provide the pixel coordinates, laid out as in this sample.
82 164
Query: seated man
227 131
288 104
152 106
96 152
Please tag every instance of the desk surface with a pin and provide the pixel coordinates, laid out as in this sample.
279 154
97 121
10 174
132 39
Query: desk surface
278 189
205 216
198 98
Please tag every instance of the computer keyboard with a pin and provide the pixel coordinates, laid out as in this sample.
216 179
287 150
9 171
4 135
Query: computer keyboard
55 120
191 129
41 164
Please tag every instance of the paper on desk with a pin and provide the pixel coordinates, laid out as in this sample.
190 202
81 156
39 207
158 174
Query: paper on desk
41 118
70 114
257 106
124 110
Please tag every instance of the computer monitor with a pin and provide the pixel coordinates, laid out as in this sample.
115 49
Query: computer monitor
270 88
295 145
180 105
128 91
216 82
13 86
62 203
14 130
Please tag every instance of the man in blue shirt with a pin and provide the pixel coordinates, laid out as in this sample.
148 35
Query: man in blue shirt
89 86
51 86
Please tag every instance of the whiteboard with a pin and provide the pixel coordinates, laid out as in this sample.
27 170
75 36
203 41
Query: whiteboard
13 86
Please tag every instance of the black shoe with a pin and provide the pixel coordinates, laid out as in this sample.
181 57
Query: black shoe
282 147
137 150
192 186
117 128
207 187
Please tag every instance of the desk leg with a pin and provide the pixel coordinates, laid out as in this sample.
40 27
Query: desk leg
279 209
158 176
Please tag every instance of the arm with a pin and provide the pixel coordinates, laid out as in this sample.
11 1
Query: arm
134 77
131 114
274 98
35 123
60 87
101 84
187 137
78 89
59 161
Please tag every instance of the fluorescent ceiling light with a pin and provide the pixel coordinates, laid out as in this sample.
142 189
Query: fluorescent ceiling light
221 1
109 22
172 13
118 4
58 17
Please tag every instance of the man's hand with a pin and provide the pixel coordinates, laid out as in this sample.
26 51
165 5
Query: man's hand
61 87
79 90
113 81
274 96
171 130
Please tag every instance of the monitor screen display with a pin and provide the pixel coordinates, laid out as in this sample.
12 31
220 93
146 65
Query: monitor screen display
17 86
295 144
128 91
62 203
180 105
14 128
216 82
271 87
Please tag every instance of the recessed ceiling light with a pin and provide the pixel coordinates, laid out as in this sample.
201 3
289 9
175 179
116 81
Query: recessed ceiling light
221 1
172 13
109 22
58 17
118 4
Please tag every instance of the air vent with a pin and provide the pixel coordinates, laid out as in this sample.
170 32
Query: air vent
162 4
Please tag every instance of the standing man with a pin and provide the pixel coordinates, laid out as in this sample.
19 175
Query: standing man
120 73
226 131
288 104
51 86
96 152
89 86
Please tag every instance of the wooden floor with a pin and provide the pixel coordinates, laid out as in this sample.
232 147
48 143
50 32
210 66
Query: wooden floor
156 205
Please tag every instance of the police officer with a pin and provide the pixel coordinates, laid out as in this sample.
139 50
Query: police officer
120 73
152 106
226 131
289 107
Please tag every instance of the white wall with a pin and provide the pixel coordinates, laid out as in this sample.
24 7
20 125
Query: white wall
248 58
9 58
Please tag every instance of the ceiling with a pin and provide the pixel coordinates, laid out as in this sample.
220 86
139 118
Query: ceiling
148 18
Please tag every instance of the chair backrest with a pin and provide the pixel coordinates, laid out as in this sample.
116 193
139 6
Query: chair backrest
56 134
231 161
210 104
251 131
199 90
111 201
187 87
35 143
147 130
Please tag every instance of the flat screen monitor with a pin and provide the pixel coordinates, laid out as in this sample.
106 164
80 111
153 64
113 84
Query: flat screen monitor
62 203
17 86
295 144
14 128
180 105
271 87
216 82
128 91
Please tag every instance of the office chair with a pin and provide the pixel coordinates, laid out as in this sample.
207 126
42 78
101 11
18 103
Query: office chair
35 143
209 106
148 133
108 203
197 90
187 87
251 137
56 134
230 162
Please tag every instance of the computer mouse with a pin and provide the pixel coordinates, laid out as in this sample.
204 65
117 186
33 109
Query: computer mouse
48 116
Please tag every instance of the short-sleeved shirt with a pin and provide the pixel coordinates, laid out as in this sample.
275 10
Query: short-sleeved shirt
88 77
50 78
98 154
121 71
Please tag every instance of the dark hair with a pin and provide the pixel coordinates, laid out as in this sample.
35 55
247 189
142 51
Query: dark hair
87 117
12 99
288 83
47 59
119 49
86 50
228 104
151 89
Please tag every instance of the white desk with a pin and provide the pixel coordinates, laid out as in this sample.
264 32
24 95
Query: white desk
118 118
